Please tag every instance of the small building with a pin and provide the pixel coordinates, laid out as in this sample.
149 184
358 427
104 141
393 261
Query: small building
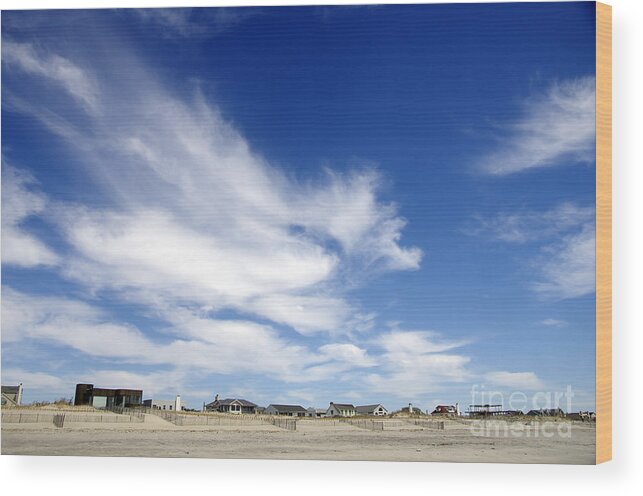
87 394
513 413
546 412
377 410
341 410
12 395
411 410
286 410
582 416
231 405
445 410
315 412
173 405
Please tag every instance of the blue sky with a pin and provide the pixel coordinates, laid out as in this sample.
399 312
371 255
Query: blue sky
300 205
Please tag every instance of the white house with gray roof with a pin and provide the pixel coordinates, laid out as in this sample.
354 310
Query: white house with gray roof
231 405
341 410
286 410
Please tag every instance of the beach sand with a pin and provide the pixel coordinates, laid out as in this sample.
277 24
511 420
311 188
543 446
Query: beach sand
506 442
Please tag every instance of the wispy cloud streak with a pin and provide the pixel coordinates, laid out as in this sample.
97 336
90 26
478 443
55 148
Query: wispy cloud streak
20 202
52 67
565 237
557 128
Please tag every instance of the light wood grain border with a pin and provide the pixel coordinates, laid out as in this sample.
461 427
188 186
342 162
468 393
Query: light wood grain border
603 232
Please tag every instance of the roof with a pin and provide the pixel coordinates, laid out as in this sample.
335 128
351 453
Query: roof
229 401
368 408
116 392
343 406
546 412
288 408
413 409
10 389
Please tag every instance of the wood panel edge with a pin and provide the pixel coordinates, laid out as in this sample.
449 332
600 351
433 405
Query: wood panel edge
603 232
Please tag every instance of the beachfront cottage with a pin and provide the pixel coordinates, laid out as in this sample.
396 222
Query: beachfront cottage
413 410
376 410
341 410
446 410
286 410
231 405
315 412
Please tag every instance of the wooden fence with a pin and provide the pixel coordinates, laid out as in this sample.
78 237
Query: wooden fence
132 412
285 423
429 424
59 420
227 420
33 418
373 425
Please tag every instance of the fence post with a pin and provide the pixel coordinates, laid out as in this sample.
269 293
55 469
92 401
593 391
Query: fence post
59 420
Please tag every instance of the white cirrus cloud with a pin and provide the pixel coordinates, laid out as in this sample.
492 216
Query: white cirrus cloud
569 266
415 363
555 128
516 380
553 322
193 22
565 236
52 67
197 343
532 225
37 381
190 223
190 213
20 202
348 353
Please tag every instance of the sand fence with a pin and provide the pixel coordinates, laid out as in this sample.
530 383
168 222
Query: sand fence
224 420
392 424
373 425
428 424
60 418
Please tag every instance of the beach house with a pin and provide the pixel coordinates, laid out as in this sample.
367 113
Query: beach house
341 410
231 405
377 410
286 410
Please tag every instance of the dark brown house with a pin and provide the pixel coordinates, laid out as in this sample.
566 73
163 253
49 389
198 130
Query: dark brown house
87 394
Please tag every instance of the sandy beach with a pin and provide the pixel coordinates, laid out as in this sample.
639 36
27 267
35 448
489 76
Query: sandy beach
315 439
